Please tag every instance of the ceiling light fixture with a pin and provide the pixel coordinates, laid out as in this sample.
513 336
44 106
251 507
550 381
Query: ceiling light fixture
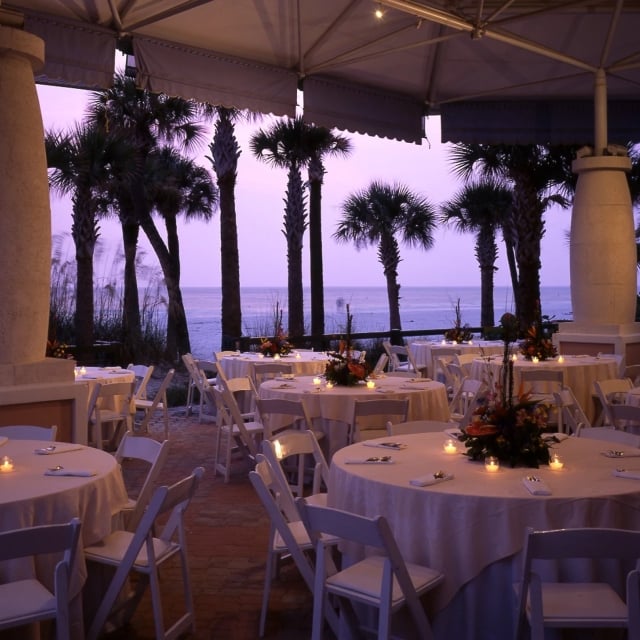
379 12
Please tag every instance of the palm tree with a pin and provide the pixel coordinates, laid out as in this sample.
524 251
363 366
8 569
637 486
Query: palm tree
321 143
283 146
225 152
82 163
482 208
175 185
538 175
383 215
146 119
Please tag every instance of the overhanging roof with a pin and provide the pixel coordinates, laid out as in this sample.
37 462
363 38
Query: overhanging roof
490 68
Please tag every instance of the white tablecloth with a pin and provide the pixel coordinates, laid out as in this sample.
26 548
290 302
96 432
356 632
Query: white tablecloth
580 372
472 528
29 498
303 363
104 375
427 400
422 350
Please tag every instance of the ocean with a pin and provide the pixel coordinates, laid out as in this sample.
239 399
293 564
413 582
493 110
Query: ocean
420 308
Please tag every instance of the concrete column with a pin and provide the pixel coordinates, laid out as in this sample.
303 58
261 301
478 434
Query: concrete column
25 218
603 250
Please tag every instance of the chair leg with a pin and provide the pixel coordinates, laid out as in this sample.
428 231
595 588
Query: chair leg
266 592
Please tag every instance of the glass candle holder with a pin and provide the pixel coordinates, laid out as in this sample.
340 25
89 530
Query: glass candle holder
556 462
491 464
6 464
371 384
450 447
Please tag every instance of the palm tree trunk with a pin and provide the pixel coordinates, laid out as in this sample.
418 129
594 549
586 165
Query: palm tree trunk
487 254
178 342
83 319
229 263
132 325
315 254
294 223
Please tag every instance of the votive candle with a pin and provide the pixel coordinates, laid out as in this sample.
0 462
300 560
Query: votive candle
491 464
371 384
6 464
560 358
329 385
535 359
514 357
450 447
317 381
276 356
298 356
556 462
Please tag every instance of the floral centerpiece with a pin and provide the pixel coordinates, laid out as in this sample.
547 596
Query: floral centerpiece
342 368
459 332
507 427
278 344
536 345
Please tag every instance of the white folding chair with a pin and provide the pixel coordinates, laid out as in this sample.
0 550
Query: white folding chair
609 392
382 362
632 371
142 552
571 416
261 371
234 433
243 390
154 454
544 603
278 415
376 413
111 405
383 580
142 374
199 371
297 444
466 399
288 536
27 600
609 434
29 432
416 426
625 417
158 403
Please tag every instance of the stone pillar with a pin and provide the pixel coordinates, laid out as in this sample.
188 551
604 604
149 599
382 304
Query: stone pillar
25 217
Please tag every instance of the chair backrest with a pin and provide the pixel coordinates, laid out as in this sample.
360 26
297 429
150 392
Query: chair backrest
159 401
611 391
572 545
632 371
381 410
239 387
29 432
261 371
152 452
375 533
298 443
572 416
416 426
609 434
466 399
143 375
382 362
228 415
122 391
625 417
58 539
465 360
278 414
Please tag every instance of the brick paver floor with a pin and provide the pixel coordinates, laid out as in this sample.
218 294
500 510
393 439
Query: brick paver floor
227 537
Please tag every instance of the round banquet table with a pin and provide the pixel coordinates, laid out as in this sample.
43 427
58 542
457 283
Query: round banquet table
303 363
30 498
427 400
104 375
472 527
422 350
580 372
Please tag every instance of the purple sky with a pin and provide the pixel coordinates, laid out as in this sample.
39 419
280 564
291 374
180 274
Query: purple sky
259 201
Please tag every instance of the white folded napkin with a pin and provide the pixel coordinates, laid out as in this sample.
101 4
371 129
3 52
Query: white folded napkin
384 445
558 437
615 453
431 478
536 487
627 473
371 460
59 448
70 472
383 390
